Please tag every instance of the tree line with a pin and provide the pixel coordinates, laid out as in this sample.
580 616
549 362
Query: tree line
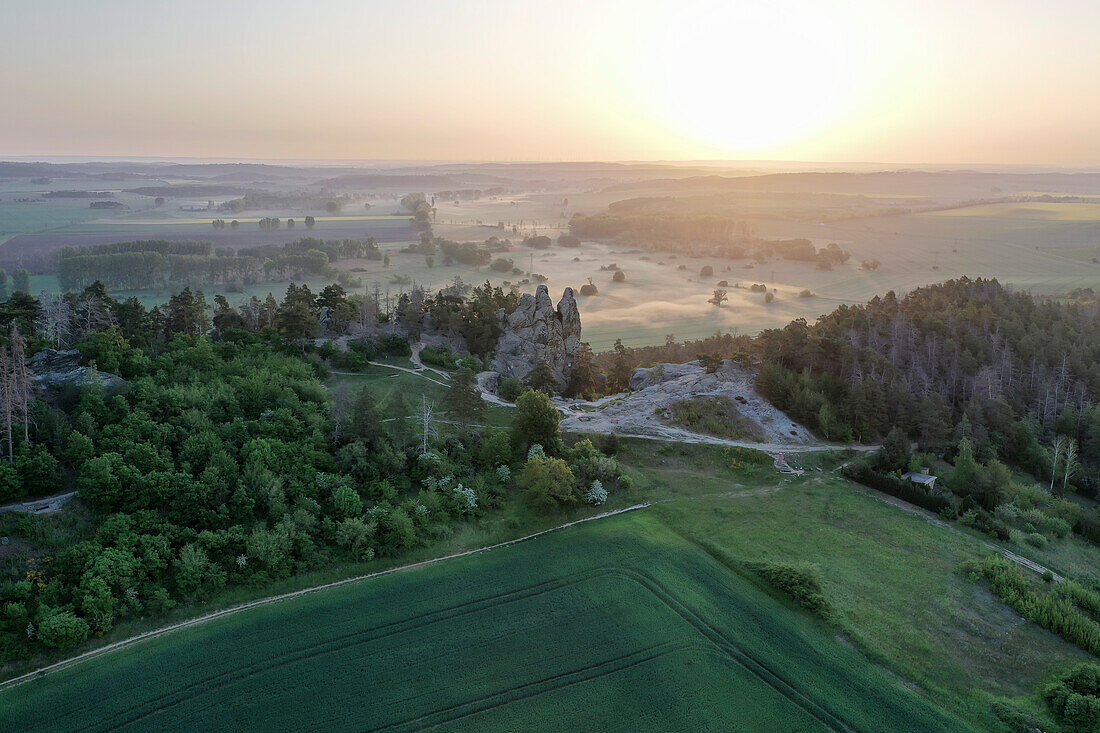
157 264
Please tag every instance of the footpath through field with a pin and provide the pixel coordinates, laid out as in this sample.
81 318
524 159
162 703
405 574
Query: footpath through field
15 681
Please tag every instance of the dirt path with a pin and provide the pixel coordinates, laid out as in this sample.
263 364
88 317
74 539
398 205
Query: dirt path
57 666
45 505
663 433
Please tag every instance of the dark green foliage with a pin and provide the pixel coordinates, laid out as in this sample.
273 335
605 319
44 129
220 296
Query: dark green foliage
894 454
709 362
541 378
902 488
394 345
537 422
510 389
800 582
62 630
439 356
1074 696
463 400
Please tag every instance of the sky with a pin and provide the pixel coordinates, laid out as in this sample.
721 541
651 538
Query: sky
897 81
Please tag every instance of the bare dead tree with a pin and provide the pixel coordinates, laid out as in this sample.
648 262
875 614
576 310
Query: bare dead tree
55 321
6 401
427 425
21 385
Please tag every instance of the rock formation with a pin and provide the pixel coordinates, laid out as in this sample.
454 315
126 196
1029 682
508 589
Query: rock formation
537 331
52 368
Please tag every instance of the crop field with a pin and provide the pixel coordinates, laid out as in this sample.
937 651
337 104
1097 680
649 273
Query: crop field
613 625
890 576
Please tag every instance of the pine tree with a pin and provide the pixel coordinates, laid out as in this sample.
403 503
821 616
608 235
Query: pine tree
364 422
541 378
582 380
464 399
618 379
297 315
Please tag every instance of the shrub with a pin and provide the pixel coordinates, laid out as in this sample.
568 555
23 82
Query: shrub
589 289
1055 611
619 276
394 345
549 483
502 264
800 582
596 494
62 630
569 240
608 444
1035 540
510 389
1074 696
439 356
471 362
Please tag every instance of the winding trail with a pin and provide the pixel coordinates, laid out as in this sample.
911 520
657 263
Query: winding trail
107 648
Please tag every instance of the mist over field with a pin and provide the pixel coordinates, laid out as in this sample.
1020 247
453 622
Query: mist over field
566 365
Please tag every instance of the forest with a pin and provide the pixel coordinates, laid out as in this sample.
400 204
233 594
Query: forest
224 460
701 234
154 264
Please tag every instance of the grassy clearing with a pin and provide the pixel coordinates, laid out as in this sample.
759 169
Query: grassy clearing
384 383
890 577
616 625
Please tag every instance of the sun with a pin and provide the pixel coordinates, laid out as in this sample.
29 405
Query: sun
745 82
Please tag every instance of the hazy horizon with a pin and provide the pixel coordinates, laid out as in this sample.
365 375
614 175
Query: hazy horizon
932 83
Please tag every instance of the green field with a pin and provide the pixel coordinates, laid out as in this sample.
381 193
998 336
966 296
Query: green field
614 625
660 599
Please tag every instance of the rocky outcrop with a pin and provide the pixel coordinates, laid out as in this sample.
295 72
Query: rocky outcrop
647 410
648 376
52 368
537 331
488 381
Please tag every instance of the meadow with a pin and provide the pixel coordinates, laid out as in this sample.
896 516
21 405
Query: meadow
617 624
891 576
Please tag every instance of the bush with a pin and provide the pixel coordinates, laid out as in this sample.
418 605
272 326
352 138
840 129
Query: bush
596 494
510 389
62 630
1035 540
439 356
589 289
619 276
549 483
569 240
800 582
394 345
1074 696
